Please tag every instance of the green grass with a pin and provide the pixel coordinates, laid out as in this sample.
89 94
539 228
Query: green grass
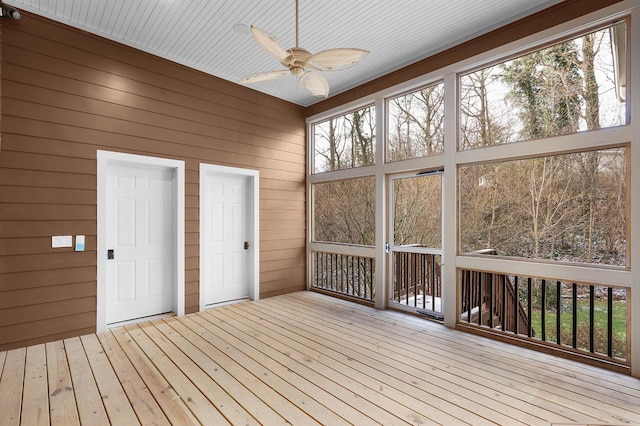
600 323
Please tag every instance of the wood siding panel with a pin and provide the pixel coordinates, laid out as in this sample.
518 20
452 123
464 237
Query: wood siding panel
67 94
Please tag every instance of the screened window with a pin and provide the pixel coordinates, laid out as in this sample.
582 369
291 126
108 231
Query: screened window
344 211
415 124
573 86
417 211
569 208
345 142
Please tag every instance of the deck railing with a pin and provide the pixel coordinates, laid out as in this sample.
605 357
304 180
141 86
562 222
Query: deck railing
580 318
417 280
491 299
345 274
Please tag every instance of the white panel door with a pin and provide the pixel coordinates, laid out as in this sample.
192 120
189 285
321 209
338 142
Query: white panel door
226 230
140 242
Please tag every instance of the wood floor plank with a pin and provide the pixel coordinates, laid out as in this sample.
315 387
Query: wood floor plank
348 363
537 361
197 374
252 374
172 405
354 393
547 367
35 409
552 410
11 383
501 368
304 358
291 406
215 366
470 354
90 406
199 405
62 401
144 404
116 403
437 377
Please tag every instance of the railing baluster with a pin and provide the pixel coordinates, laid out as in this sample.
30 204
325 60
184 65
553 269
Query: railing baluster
406 272
342 275
344 282
530 327
609 321
424 285
492 292
480 296
334 273
558 309
414 277
371 278
353 280
591 318
337 272
330 272
321 269
504 302
516 308
469 297
432 281
574 320
543 311
341 270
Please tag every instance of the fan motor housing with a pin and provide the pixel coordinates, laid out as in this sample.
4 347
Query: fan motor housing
296 60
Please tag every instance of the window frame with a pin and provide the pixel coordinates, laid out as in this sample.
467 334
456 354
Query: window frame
312 138
388 99
549 42
626 267
453 157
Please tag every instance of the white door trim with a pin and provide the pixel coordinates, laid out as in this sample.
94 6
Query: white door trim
254 194
104 158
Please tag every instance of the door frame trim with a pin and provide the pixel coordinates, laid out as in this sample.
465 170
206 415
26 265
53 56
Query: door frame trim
390 230
254 197
106 158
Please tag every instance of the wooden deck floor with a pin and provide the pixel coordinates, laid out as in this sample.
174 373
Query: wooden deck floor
303 359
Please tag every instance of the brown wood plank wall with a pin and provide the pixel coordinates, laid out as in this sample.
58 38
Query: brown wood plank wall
66 94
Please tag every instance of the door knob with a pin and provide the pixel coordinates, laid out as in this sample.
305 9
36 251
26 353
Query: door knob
110 254
246 245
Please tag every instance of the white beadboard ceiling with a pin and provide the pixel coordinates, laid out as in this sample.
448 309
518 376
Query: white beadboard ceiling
203 34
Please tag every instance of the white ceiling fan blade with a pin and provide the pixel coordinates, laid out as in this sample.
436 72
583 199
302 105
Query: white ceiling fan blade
262 76
269 43
315 83
336 58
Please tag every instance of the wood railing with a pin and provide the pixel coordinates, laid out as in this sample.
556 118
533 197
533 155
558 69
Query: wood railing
590 321
491 300
417 280
344 274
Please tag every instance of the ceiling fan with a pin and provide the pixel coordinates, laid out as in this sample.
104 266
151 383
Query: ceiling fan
301 63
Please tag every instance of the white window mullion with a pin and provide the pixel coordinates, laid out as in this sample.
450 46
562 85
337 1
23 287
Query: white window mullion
634 263
381 207
449 201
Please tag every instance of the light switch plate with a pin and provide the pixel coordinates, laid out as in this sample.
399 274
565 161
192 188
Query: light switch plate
58 241
79 242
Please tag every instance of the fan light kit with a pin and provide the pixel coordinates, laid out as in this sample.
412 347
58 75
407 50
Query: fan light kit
301 63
